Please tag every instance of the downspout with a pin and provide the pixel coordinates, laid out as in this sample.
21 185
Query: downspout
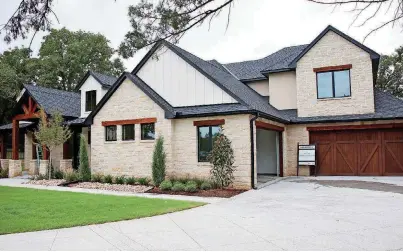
252 150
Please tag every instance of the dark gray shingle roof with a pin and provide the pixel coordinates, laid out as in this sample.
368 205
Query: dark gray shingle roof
249 70
241 92
387 106
210 110
105 80
77 121
52 100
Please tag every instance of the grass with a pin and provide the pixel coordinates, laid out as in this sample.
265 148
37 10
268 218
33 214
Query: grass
23 209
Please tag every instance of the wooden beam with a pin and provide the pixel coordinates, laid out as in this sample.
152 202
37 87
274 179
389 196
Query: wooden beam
2 146
26 116
45 153
130 121
268 126
26 110
356 127
332 68
66 150
15 135
209 122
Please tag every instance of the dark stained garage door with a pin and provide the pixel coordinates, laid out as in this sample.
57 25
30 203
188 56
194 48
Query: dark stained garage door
359 152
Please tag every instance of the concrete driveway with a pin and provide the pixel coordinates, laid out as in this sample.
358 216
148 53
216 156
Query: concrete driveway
293 214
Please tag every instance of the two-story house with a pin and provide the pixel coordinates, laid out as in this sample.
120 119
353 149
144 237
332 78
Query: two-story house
321 93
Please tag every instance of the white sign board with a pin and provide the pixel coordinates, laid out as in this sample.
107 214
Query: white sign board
306 154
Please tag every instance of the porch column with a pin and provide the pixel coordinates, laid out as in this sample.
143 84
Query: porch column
15 141
2 146
15 165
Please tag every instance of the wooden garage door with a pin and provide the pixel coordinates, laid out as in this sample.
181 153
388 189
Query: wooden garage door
359 152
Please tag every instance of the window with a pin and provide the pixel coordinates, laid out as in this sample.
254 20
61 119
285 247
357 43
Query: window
333 84
147 131
110 133
128 132
90 100
206 137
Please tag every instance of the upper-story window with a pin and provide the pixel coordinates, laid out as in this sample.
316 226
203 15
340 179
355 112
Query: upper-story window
333 84
90 100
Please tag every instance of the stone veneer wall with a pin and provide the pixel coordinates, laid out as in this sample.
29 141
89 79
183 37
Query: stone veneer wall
132 158
185 145
333 50
28 150
297 133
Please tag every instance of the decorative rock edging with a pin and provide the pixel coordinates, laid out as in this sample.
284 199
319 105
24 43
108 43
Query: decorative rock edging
113 187
44 182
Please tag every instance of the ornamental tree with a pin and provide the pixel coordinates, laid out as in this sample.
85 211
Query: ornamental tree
51 133
158 165
222 159
84 168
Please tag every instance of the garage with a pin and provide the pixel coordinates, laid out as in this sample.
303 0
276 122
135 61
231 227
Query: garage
358 152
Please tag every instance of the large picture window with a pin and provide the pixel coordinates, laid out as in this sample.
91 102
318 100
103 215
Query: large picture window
333 84
110 133
147 131
206 137
128 132
90 100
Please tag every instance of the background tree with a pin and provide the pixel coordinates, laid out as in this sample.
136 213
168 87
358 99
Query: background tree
65 56
222 159
390 73
15 66
152 20
84 168
51 133
158 165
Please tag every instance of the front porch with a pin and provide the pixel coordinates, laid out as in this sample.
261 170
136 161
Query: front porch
19 151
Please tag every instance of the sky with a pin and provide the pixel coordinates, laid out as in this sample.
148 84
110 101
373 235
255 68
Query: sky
256 29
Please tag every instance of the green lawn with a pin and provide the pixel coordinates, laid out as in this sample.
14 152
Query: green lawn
23 209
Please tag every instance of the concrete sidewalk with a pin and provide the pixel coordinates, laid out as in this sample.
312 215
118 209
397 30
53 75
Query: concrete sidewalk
286 215
19 182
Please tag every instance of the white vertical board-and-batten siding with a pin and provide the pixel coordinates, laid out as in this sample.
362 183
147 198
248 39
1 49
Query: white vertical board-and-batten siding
90 84
178 82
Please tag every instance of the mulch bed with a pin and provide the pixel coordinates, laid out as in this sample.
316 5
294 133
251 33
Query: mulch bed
221 193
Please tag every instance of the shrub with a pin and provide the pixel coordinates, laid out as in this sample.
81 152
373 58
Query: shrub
182 180
158 165
131 181
84 168
143 181
71 176
166 185
4 173
58 174
191 186
108 179
205 185
120 180
178 186
96 177
42 177
222 159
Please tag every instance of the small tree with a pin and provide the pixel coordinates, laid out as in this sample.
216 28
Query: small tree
158 165
222 159
84 168
51 133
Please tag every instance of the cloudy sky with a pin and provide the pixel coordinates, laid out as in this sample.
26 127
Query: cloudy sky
257 27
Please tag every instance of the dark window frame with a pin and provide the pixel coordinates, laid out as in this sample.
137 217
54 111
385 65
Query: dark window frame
106 133
123 131
141 131
90 102
210 140
333 84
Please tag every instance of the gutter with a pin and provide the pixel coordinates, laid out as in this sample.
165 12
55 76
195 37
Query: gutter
252 151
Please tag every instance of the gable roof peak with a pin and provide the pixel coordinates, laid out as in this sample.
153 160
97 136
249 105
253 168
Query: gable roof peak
374 55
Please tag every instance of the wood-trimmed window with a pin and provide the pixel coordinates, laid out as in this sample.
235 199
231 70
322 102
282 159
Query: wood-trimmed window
127 132
147 131
90 100
205 138
333 84
110 133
